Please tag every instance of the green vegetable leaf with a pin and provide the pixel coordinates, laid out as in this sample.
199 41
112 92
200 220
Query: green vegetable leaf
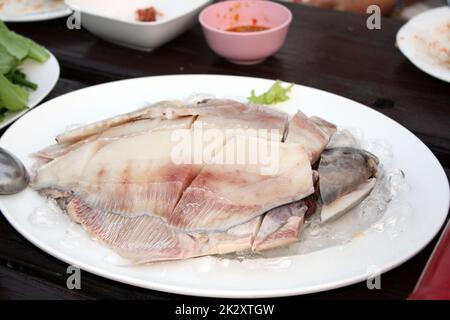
275 94
7 61
18 77
2 112
14 45
12 97
21 47
37 52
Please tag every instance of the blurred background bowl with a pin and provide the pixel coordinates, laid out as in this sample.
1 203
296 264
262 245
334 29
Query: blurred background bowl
116 20
245 47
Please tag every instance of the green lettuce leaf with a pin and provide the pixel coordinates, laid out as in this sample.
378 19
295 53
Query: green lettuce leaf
18 77
275 94
20 47
7 61
12 97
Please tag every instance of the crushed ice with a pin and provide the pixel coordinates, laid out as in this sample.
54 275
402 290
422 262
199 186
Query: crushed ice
384 210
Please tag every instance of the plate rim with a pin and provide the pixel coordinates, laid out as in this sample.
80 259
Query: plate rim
417 63
229 293
36 102
37 16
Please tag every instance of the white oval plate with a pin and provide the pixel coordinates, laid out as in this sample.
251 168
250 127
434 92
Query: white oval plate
414 36
45 75
209 276
22 11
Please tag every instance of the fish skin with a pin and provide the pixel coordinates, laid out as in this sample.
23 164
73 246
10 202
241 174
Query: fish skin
342 170
314 132
347 202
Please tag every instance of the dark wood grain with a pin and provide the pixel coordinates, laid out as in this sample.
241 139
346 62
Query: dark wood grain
327 50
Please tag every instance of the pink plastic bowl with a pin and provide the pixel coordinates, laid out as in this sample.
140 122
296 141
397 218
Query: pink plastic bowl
245 47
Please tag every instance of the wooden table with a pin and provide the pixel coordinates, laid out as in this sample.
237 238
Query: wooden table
329 50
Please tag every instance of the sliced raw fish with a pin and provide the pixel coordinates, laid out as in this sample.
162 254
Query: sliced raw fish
144 239
223 196
288 234
165 110
268 125
140 238
120 131
120 179
280 226
314 132
132 176
215 107
342 138
83 132
343 170
236 239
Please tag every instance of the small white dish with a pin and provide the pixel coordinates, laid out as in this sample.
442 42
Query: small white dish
32 10
45 75
425 41
115 20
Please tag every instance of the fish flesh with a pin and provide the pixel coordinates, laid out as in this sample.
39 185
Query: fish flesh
314 132
214 201
167 110
342 138
117 132
133 175
143 239
281 226
119 179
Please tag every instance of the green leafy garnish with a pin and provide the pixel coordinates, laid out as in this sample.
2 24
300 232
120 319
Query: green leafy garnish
20 47
275 94
14 50
18 77
7 61
12 97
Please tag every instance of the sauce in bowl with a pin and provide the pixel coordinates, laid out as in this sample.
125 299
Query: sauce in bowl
248 28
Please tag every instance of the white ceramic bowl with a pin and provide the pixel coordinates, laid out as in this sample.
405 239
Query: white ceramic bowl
115 20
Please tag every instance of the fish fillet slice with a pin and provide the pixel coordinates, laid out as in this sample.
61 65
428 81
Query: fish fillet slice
120 131
213 107
98 127
314 132
222 196
289 233
164 110
131 176
238 238
140 239
147 239
280 226
238 124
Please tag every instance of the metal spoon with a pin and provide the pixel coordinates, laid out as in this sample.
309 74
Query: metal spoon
13 175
